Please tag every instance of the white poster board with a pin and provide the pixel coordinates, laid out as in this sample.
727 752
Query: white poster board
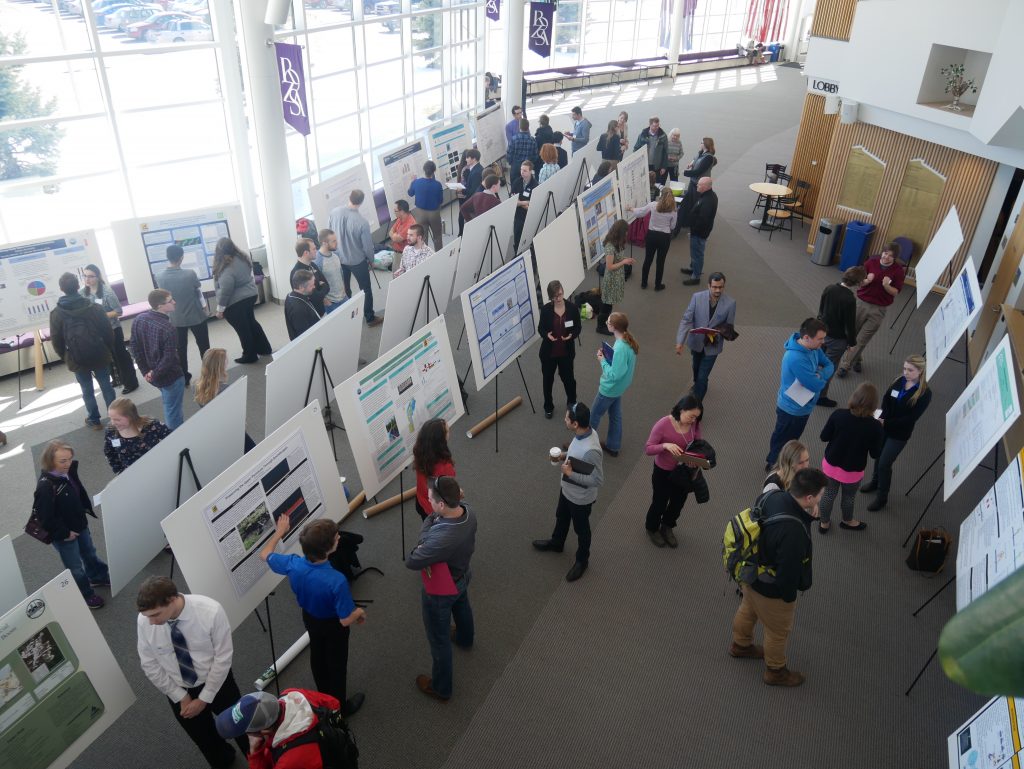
481 252
398 168
386 403
60 686
338 335
634 183
955 313
501 316
591 155
990 738
936 256
577 177
599 209
560 254
333 193
29 272
490 134
218 533
12 586
981 415
543 207
142 244
408 303
447 144
135 501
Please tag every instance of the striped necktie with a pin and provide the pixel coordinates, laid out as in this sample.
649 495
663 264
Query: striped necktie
188 672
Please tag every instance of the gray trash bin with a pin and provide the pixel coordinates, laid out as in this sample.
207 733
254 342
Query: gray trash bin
824 245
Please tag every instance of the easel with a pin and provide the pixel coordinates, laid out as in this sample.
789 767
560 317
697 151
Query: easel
40 351
325 377
488 253
549 205
582 179
503 410
936 649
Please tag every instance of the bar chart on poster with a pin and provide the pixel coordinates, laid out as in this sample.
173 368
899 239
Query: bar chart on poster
447 142
398 167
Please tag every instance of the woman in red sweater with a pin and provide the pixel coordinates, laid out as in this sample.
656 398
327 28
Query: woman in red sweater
669 438
431 459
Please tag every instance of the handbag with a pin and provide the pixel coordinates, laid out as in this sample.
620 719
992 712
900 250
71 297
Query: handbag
34 528
930 550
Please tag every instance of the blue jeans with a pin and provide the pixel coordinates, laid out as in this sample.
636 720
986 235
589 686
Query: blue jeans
697 245
332 307
172 396
788 427
882 477
438 613
613 406
702 365
80 558
361 272
84 378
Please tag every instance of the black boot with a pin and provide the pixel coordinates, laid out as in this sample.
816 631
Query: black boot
877 503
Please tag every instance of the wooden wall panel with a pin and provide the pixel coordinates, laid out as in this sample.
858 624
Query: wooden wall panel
833 18
811 150
968 181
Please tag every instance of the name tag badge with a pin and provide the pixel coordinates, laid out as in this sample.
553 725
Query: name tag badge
526 193
895 394
568 324
97 300
116 443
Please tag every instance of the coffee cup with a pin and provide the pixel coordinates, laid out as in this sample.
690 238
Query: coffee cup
556 455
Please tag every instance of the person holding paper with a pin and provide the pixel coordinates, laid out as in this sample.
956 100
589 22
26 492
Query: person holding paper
851 434
580 133
189 313
559 327
903 403
805 370
883 282
709 318
616 377
582 476
669 438
443 554
431 458
837 308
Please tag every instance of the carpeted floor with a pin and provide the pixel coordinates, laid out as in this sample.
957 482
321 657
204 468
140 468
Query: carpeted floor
628 666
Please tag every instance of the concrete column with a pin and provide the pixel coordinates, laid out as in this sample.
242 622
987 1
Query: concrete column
512 88
675 38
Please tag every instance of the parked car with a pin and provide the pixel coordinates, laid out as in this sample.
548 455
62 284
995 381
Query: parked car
121 18
103 15
139 29
186 31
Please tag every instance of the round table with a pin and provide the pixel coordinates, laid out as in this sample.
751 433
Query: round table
770 191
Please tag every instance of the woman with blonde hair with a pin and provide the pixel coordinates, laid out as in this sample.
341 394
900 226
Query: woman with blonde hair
659 235
213 378
616 377
130 435
851 434
904 402
793 456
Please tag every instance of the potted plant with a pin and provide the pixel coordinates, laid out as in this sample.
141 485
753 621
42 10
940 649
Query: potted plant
957 84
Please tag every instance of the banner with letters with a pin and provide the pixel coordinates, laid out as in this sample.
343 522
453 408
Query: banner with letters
293 86
493 9
541 27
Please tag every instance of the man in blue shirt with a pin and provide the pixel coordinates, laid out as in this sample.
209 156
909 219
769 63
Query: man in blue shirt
328 610
428 193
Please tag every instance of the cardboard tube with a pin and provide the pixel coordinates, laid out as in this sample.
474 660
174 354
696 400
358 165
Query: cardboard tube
37 349
291 653
483 424
387 504
357 501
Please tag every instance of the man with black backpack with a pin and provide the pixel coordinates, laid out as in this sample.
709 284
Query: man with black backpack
81 335
784 555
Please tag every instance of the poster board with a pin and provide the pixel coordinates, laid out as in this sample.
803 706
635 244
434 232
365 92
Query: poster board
407 302
985 410
386 403
956 311
447 143
559 187
142 244
333 193
634 183
338 334
135 501
12 586
29 272
217 534
501 315
862 178
936 258
917 203
398 167
475 260
991 738
578 175
60 686
490 134
599 209
559 253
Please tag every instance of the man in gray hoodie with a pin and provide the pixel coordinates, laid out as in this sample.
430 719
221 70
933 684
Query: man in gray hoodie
355 247
189 313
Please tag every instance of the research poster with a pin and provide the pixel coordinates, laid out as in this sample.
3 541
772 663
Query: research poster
501 318
936 257
197 234
447 144
29 272
955 313
399 167
634 183
981 415
991 738
386 403
333 193
60 686
490 135
599 209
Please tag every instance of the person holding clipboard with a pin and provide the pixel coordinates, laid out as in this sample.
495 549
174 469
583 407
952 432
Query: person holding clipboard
708 322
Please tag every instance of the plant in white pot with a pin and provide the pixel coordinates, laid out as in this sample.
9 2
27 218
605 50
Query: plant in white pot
957 84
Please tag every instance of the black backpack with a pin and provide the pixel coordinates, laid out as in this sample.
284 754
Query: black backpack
337 745
81 342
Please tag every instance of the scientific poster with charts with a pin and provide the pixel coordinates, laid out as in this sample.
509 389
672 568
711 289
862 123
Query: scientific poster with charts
333 193
446 146
244 516
634 183
197 234
981 415
490 135
399 167
29 272
991 738
599 209
501 318
954 315
387 402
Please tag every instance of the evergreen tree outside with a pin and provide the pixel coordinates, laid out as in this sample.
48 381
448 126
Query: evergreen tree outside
24 151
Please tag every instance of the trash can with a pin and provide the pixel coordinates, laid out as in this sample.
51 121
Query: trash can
775 51
825 243
856 241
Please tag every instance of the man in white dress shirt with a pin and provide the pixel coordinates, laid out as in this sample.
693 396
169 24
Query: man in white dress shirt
185 650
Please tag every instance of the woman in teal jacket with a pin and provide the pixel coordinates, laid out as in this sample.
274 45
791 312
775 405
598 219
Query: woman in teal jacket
616 376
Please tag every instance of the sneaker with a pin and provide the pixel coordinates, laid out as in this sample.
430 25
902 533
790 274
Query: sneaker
94 602
869 488
100 583
548 413
656 538
752 652
93 425
669 537
782 677
827 403
877 504
856 366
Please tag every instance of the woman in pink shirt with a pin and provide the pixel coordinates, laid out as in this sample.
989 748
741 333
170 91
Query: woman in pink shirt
669 438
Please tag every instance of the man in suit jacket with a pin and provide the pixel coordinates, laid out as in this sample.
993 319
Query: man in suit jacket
707 309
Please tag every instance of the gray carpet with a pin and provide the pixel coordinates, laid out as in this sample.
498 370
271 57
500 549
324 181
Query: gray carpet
628 667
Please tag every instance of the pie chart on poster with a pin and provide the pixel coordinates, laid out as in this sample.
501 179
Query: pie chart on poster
36 288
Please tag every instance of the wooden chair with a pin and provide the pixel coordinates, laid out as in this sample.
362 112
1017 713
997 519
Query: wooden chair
778 215
795 204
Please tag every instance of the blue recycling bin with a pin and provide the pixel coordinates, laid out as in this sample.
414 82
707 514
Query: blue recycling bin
774 51
854 244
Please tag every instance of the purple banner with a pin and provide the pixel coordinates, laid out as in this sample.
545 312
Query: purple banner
541 27
493 9
293 86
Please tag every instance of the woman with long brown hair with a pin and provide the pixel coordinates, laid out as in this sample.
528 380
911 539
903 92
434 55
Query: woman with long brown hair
130 435
616 377
236 299
613 282
610 143
96 290
431 459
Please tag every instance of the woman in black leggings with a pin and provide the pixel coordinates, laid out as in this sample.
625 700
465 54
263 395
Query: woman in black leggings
236 299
